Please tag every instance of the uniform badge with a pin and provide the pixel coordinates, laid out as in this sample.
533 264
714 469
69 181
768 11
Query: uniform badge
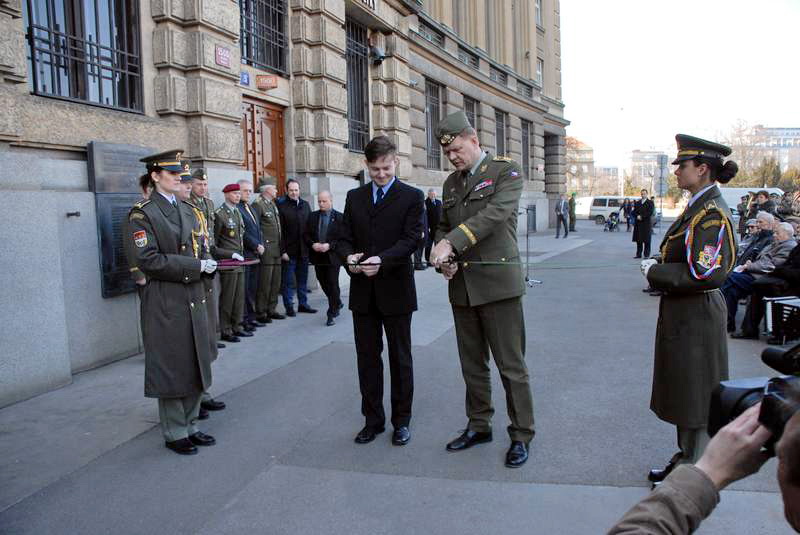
484 184
232 234
514 174
484 167
140 238
705 257
446 139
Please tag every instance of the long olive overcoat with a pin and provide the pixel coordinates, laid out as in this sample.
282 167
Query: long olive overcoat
691 349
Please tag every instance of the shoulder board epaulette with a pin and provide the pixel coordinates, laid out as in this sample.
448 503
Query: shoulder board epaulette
141 204
711 205
191 204
221 208
502 159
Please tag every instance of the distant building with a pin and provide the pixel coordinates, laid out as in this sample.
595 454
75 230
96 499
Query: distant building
580 167
643 171
780 143
608 181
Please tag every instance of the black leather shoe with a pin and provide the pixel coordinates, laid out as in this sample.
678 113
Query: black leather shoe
243 334
183 446
306 309
468 439
230 338
330 322
276 316
401 436
368 434
637 256
744 336
517 454
212 405
648 290
776 340
247 327
258 324
203 414
657 476
201 439
220 345
264 319
290 312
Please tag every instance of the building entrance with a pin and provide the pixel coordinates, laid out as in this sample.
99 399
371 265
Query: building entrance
262 126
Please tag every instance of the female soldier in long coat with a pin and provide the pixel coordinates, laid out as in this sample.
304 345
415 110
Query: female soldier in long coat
173 313
698 252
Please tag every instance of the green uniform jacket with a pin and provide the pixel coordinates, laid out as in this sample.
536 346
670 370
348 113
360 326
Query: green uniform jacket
691 349
202 239
270 222
480 220
228 233
173 314
206 207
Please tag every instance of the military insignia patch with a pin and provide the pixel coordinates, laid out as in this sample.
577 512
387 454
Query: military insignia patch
484 167
704 257
446 139
140 238
514 174
484 184
232 234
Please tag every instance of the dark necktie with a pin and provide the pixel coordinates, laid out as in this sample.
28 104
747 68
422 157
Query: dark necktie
323 227
379 196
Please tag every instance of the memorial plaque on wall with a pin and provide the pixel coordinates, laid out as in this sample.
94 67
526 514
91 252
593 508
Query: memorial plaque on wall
114 172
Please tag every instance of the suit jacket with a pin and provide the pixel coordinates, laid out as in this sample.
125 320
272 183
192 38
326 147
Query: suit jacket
391 230
754 248
790 270
771 257
294 216
642 229
252 230
433 210
562 208
311 237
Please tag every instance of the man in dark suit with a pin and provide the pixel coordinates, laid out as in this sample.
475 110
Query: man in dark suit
419 263
433 210
294 212
321 231
253 249
562 215
381 229
643 211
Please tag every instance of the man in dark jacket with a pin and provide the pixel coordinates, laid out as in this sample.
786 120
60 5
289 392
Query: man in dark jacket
433 212
294 213
761 239
253 249
381 228
320 237
643 210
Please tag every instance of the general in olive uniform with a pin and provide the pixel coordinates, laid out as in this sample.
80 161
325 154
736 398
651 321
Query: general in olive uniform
173 315
479 223
697 253
228 243
269 284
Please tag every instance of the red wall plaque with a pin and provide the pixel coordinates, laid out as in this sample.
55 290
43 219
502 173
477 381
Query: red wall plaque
266 81
223 56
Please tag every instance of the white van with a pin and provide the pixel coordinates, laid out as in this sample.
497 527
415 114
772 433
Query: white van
603 206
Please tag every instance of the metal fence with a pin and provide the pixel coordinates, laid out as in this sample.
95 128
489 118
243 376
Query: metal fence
263 34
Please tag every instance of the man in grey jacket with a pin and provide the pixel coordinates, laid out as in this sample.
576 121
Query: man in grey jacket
739 283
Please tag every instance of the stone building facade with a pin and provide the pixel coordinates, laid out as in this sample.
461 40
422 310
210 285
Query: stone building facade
250 89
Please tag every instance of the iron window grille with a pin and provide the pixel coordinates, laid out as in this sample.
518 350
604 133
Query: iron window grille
526 148
470 109
85 50
431 34
496 75
468 58
357 55
525 90
500 131
433 114
263 34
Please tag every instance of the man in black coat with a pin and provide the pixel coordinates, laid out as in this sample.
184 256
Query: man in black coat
381 229
253 249
643 211
294 213
433 211
320 237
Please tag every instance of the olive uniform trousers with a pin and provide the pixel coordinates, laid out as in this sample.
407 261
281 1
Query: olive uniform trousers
178 416
269 285
499 326
231 302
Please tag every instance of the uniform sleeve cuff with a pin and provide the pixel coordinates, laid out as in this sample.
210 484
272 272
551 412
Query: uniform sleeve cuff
462 238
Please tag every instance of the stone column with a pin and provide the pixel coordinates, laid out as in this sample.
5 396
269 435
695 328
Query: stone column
555 170
13 66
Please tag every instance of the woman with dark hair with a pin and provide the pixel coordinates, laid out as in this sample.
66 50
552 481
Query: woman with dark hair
173 312
762 203
697 253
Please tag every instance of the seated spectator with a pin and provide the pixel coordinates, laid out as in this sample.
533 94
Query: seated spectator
789 205
691 492
765 222
783 281
740 281
762 204
751 229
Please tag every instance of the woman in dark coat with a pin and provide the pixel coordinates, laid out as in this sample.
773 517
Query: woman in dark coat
173 311
697 253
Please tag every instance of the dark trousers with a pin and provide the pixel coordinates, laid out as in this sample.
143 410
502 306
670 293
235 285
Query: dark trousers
250 292
294 276
429 245
561 220
328 277
764 287
735 287
368 330
418 260
572 219
643 244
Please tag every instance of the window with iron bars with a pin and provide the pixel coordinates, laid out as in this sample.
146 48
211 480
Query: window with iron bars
357 54
470 110
433 114
498 76
500 131
526 148
85 50
431 34
524 89
467 57
263 34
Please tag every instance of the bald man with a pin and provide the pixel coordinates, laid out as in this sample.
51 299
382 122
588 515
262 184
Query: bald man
320 236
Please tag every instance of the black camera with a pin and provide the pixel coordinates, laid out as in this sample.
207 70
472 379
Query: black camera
779 396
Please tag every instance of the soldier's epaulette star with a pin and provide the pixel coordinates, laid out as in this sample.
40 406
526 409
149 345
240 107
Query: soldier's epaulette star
711 205
502 159
142 203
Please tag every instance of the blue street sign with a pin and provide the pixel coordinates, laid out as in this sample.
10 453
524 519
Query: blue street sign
244 78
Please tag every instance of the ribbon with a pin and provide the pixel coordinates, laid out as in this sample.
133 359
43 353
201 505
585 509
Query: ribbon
713 264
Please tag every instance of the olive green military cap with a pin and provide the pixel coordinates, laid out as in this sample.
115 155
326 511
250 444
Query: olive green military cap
451 126
690 147
199 174
169 161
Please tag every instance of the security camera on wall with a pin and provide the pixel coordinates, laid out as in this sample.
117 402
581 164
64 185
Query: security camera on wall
377 54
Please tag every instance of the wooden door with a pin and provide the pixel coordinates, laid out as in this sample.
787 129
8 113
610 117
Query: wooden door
262 127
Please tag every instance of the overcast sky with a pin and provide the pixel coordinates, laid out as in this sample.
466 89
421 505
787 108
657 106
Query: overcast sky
636 72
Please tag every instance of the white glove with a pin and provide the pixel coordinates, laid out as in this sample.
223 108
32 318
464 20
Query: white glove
237 256
646 265
208 266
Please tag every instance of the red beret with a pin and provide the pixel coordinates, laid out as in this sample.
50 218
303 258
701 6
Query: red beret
230 187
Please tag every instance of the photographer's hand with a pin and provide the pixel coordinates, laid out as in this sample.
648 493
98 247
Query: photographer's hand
735 451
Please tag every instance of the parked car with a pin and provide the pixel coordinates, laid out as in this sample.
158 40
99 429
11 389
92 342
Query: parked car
604 205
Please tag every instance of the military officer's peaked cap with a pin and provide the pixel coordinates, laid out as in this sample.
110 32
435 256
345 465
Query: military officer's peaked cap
186 174
169 160
690 147
451 126
231 187
199 174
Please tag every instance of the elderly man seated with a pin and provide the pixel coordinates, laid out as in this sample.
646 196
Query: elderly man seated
739 283
759 238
